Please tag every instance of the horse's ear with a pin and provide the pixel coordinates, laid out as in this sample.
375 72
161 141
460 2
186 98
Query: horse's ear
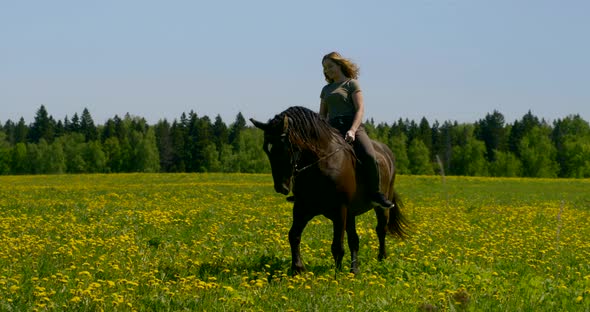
259 125
285 124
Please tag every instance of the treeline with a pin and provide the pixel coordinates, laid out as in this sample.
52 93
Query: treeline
489 147
129 144
529 147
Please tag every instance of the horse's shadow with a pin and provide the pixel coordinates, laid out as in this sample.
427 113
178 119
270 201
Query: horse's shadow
276 267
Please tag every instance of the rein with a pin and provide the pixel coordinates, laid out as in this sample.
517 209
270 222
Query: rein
297 171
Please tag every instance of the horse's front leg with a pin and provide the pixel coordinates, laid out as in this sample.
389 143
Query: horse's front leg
299 222
339 223
353 243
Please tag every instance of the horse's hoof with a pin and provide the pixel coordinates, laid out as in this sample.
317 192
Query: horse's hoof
297 270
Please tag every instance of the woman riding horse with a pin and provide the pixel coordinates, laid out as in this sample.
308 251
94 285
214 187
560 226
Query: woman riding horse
342 104
310 157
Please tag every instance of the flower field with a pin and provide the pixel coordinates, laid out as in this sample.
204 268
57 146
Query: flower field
215 242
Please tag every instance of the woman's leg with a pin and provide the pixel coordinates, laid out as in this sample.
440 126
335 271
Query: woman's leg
366 154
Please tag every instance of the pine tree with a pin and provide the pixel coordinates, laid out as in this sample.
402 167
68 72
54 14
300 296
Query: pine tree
492 132
235 129
192 145
205 139
4 153
109 130
165 145
87 127
60 129
220 133
74 125
425 134
445 140
178 135
21 132
520 129
10 130
42 127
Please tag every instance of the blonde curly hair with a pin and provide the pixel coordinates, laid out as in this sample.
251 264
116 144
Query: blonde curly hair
349 69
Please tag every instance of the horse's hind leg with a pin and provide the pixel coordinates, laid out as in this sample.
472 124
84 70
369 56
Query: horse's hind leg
353 244
382 216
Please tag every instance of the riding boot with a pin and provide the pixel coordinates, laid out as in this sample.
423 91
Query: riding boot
376 196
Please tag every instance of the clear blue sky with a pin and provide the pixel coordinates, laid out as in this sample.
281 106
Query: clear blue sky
445 60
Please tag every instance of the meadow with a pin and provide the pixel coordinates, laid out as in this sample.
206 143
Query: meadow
218 242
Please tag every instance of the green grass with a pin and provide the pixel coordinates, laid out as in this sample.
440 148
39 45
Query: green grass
213 242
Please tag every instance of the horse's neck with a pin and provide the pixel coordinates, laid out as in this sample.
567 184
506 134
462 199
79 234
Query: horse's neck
328 153
328 147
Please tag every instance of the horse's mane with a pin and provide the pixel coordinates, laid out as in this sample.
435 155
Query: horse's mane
309 131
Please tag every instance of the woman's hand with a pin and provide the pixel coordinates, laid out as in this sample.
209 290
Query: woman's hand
349 137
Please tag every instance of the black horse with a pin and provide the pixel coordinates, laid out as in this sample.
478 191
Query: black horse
327 180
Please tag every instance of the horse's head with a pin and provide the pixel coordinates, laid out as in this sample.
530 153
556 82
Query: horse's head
279 150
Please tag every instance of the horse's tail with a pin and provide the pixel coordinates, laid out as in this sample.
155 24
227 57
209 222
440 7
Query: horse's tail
397 224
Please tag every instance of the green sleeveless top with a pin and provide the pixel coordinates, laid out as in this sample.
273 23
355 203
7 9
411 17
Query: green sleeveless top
338 98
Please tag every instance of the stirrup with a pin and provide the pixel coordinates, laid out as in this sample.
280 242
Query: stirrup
383 206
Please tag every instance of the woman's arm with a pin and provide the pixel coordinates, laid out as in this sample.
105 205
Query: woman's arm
323 109
359 105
